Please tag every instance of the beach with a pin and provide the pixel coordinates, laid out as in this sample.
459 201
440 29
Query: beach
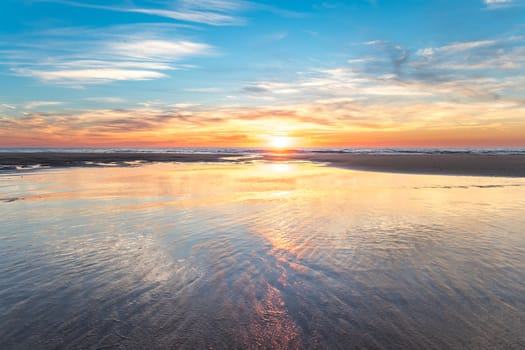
251 253
511 165
245 175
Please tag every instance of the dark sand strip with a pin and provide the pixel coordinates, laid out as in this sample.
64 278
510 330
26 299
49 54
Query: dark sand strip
439 164
443 164
69 159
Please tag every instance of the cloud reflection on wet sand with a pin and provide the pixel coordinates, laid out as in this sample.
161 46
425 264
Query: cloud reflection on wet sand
260 255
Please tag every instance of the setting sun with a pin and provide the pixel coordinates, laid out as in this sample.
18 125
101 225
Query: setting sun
289 174
279 142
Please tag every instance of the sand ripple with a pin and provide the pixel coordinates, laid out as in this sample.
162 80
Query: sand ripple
254 256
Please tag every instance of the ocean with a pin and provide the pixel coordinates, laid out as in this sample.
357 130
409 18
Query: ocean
245 150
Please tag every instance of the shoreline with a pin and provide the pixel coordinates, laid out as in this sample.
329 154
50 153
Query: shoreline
512 165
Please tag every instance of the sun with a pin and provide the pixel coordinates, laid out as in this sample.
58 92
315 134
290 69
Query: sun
279 142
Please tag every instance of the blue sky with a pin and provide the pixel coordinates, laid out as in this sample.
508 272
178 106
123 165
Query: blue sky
122 72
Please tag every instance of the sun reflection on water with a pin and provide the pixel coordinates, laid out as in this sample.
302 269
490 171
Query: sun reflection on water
261 254
280 167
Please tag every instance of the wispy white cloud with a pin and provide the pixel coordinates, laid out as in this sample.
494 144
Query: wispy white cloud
216 5
488 57
497 1
466 72
219 13
190 16
183 105
363 60
37 104
455 47
105 99
501 4
76 64
90 76
162 50
7 106
101 57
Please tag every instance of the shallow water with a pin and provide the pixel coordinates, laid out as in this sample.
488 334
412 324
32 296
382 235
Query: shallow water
260 255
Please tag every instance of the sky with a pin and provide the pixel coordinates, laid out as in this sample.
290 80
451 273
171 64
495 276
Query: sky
234 73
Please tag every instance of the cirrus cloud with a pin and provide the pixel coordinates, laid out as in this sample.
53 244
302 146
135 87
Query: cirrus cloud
101 58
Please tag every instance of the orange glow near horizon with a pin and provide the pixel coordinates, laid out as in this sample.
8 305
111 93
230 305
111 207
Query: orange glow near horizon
111 129
301 139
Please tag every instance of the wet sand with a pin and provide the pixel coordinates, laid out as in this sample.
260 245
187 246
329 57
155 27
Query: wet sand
262 255
67 159
443 164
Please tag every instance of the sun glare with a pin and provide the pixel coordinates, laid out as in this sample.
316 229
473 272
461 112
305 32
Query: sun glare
279 142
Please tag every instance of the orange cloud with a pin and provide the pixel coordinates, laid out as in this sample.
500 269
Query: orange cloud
337 123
